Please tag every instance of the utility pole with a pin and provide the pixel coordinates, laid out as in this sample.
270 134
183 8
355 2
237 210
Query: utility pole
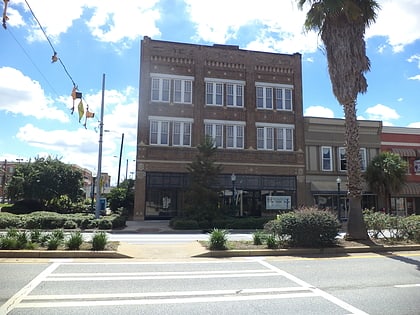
119 164
101 134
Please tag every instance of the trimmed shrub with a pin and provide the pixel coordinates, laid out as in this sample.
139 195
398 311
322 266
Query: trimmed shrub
258 237
99 240
104 224
54 242
9 220
70 225
44 220
185 224
218 239
74 241
25 206
271 241
306 227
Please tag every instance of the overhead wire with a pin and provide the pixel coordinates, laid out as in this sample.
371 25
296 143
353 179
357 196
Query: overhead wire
54 57
32 61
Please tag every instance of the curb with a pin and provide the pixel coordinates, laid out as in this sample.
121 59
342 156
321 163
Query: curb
60 254
307 251
211 253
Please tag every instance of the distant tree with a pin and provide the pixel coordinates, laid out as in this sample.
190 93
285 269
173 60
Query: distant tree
202 197
45 179
122 197
386 174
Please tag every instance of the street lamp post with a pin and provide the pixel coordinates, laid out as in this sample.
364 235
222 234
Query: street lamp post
338 181
233 179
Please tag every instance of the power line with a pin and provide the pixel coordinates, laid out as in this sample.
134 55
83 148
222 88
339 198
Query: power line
54 57
32 61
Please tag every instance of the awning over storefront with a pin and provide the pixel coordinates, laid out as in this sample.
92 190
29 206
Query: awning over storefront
406 152
328 187
323 187
410 190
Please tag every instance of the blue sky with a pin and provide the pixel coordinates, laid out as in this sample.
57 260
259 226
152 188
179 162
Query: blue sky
96 37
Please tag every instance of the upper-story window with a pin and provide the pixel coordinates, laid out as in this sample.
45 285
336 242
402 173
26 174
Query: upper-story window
274 96
274 137
265 138
235 136
285 139
215 131
221 92
161 134
160 90
225 133
214 93
182 91
171 88
181 133
326 158
343 160
234 95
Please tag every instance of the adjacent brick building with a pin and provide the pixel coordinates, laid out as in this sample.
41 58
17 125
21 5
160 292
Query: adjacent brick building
249 102
406 143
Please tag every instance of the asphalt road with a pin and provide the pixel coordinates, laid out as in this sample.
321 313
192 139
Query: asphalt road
355 284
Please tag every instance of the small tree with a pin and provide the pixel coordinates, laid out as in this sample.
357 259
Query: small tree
122 196
45 179
202 198
386 174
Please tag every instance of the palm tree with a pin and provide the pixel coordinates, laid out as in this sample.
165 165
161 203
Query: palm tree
341 25
386 174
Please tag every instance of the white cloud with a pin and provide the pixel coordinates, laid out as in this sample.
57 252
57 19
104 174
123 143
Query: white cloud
24 96
416 77
319 111
414 125
415 58
110 21
382 112
279 28
398 21
80 146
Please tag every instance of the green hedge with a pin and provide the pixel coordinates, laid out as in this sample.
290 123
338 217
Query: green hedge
52 220
306 227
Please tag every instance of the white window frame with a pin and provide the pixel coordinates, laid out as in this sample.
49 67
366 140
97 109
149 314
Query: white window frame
343 159
265 101
185 91
283 99
237 94
363 159
167 95
215 131
183 138
160 136
265 136
284 138
163 95
234 136
265 98
324 160
214 90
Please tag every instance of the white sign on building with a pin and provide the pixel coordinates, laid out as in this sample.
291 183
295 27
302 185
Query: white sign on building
278 202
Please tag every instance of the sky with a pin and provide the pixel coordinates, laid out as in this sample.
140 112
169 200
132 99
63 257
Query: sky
101 38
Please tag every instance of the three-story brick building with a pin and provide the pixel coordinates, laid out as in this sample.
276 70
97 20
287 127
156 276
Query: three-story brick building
249 102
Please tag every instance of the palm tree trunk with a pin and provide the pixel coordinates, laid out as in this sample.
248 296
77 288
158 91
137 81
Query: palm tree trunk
356 228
